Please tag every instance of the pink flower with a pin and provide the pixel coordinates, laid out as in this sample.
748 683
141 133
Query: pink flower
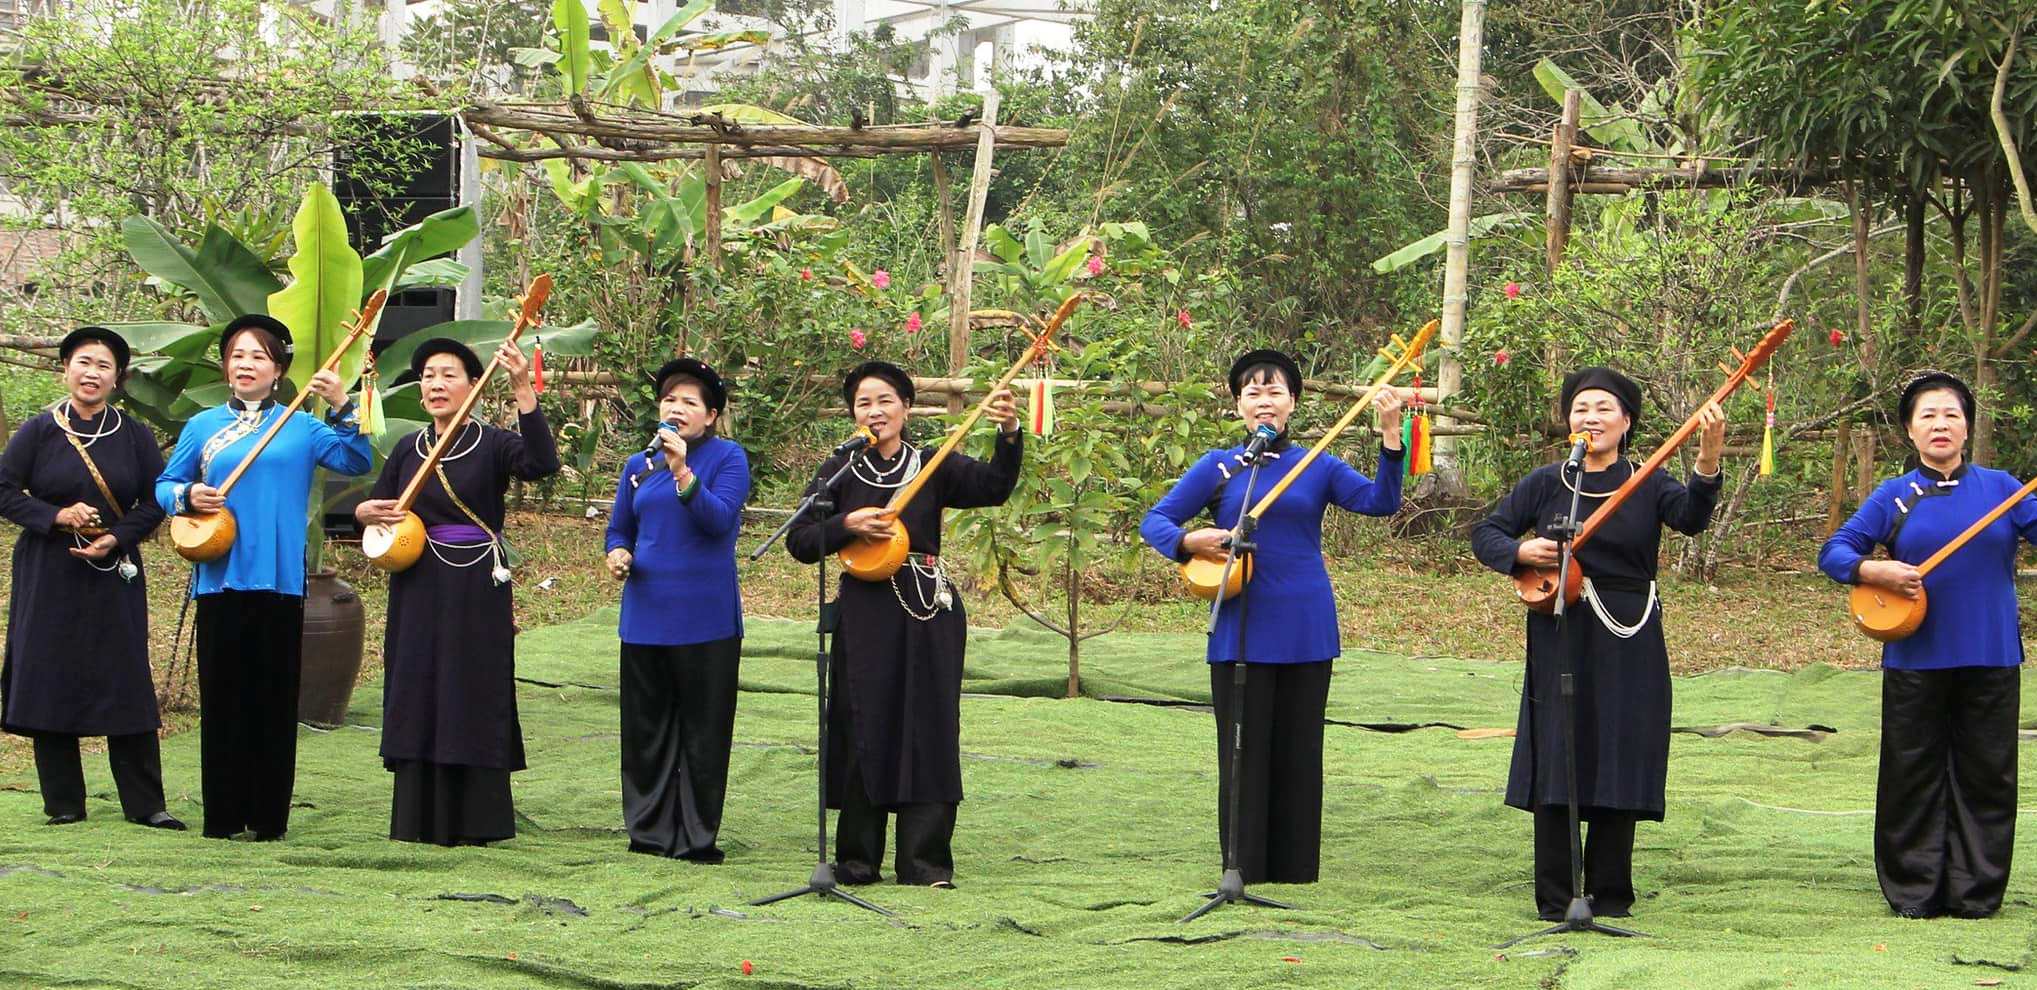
1095 265
857 339
913 322
1181 317
1513 290
881 279
806 274
1836 338
1501 357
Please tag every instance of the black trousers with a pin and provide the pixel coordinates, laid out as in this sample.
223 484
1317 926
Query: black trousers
137 763
1945 802
249 659
926 836
1608 861
1280 810
678 721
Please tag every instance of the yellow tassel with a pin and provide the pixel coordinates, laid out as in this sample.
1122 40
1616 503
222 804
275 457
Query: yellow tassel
1768 439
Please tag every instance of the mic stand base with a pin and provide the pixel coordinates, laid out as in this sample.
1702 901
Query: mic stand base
823 884
1576 919
1231 890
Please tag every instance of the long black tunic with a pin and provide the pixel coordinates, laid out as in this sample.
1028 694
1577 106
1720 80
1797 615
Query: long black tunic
77 658
898 687
1623 689
449 651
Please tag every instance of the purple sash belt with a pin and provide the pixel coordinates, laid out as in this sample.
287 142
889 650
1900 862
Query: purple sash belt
458 533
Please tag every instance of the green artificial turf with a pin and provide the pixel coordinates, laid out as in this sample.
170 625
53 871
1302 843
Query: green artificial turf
1087 832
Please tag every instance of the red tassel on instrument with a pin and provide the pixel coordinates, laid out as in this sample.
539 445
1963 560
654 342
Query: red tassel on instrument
537 366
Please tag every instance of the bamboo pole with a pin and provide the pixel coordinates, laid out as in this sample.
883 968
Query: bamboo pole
1556 230
590 122
714 206
962 275
1457 241
944 198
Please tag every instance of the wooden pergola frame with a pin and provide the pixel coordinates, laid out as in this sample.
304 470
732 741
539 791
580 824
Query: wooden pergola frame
582 129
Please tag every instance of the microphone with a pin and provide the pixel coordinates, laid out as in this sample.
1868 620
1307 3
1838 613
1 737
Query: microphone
862 439
1261 437
652 462
1578 443
658 439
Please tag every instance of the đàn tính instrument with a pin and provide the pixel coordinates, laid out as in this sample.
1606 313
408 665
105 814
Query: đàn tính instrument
396 548
1205 574
204 536
1887 615
1536 586
875 559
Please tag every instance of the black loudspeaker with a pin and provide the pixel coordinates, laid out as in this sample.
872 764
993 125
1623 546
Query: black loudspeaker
390 171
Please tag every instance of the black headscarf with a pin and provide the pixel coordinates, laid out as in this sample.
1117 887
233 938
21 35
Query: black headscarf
1265 355
716 391
446 345
891 373
1932 381
1622 388
258 321
95 335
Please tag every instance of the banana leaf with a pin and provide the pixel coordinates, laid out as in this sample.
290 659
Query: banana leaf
327 290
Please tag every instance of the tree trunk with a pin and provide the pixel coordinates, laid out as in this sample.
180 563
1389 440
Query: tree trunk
1835 495
1913 261
1992 206
1863 462
1074 591
1863 287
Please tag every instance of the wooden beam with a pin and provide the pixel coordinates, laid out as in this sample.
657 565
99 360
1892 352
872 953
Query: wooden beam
1696 175
962 274
590 121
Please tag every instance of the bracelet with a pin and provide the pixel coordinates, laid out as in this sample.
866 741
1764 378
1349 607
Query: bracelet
686 490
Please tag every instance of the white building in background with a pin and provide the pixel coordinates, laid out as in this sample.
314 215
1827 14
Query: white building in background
965 41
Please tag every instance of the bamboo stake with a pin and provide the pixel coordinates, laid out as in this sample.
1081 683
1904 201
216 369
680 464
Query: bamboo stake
714 205
962 276
1456 264
1557 228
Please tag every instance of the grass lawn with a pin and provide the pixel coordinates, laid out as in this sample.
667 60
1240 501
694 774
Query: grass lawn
1087 832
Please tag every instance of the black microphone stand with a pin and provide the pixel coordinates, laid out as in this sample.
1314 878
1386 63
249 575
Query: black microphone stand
1231 888
822 882
1577 917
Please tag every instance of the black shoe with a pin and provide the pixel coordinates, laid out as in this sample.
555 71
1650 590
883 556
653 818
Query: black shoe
711 856
65 819
1973 914
1918 911
648 850
161 819
852 875
269 836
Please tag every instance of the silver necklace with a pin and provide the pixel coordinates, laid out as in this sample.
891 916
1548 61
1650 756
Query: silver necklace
1568 484
907 468
418 443
942 600
111 425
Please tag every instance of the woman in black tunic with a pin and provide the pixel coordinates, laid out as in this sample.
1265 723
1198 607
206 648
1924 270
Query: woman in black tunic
894 723
1622 667
77 660
449 727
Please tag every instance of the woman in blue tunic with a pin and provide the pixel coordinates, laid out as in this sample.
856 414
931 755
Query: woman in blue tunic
672 542
250 603
1945 803
77 478
1291 633
450 734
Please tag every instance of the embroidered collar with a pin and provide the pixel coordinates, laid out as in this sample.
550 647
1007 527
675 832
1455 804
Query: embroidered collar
237 405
